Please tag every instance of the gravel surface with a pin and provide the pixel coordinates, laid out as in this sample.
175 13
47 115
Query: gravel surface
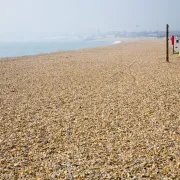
104 113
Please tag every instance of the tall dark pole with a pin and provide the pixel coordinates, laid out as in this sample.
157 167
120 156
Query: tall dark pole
167 43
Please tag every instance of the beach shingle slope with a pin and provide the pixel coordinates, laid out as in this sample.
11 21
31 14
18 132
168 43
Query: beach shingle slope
103 113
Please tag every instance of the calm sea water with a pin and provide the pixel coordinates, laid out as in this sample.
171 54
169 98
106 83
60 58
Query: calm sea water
11 49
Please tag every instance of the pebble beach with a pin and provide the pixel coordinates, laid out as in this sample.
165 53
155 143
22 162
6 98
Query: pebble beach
100 113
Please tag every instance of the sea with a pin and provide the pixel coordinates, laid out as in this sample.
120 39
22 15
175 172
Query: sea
13 49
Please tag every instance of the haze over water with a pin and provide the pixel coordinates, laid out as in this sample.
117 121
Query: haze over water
19 19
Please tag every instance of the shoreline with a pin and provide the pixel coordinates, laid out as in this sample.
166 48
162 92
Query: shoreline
114 41
85 44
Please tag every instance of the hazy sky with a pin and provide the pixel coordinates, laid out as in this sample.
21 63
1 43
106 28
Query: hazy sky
70 16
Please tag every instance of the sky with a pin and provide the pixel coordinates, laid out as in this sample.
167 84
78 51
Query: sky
82 16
